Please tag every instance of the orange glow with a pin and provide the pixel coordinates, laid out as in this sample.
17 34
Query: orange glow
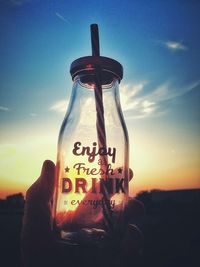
155 164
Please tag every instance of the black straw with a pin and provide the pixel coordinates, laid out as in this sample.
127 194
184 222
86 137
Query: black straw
100 123
95 39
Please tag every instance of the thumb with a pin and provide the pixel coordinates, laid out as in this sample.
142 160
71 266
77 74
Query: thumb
47 179
36 235
38 197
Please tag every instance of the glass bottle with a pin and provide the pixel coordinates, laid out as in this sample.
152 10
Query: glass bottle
91 192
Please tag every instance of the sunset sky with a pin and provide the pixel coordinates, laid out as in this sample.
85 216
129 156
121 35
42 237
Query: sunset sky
158 44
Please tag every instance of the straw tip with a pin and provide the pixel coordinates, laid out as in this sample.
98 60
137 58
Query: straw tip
93 25
95 39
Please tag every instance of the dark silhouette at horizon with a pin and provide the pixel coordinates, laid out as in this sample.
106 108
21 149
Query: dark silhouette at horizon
170 227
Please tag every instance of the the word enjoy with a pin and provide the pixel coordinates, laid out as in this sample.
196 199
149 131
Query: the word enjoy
93 151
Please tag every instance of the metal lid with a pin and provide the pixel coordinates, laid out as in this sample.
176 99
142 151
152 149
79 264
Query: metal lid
107 66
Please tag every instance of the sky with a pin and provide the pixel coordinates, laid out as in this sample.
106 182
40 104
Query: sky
158 44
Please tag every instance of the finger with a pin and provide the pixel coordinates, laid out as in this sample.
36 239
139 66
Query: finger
134 209
38 197
131 174
42 189
36 237
36 230
47 180
133 241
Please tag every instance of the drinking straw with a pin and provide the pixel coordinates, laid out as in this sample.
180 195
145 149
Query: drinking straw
100 124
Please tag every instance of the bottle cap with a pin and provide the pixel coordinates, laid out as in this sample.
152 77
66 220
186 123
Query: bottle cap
87 65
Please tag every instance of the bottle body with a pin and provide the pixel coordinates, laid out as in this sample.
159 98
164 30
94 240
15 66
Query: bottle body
91 193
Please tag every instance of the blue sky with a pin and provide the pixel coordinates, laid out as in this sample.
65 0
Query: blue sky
157 42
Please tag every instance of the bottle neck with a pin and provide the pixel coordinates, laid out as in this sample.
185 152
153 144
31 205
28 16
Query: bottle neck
83 101
84 92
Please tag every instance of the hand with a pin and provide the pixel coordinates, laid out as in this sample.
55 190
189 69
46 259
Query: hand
38 245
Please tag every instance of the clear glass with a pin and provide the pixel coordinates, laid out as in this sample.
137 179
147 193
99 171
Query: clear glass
81 206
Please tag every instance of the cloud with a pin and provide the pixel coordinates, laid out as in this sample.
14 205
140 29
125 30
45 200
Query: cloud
133 89
18 2
14 2
175 46
132 103
4 108
153 103
33 114
128 93
61 17
59 106
167 91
